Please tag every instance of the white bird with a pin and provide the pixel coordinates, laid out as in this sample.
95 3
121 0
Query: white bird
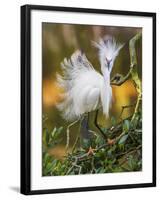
86 89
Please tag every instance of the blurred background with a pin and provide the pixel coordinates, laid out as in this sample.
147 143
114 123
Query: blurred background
60 41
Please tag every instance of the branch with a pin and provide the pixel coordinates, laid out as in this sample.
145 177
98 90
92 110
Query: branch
119 79
130 151
125 107
134 73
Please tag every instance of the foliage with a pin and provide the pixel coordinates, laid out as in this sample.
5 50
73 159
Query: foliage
122 151
119 151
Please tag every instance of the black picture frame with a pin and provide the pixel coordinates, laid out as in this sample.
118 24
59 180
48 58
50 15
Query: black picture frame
26 98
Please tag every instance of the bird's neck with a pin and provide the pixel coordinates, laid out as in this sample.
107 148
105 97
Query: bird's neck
106 76
106 90
105 72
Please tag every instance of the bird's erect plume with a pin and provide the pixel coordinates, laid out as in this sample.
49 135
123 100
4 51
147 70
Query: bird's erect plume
108 46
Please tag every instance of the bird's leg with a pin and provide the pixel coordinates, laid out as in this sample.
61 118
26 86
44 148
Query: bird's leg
85 132
67 131
89 130
96 124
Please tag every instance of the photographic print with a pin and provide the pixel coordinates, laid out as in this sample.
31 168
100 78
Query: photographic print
88 99
92 99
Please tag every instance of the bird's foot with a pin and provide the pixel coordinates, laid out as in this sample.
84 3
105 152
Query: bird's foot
90 151
111 141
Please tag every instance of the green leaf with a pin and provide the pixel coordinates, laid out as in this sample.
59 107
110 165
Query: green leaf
113 121
123 139
57 133
121 147
126 125
53 132
46 158
104 129
59 130
54 137
100 170
99 140
131 162
48 166
47 136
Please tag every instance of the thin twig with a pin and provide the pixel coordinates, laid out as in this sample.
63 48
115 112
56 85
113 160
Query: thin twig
74 165
122 80
129 151
67 131
125 107
134 73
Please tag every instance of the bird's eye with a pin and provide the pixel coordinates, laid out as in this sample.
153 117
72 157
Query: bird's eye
108 61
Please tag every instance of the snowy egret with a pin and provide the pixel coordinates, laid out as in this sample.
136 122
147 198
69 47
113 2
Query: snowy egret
86 89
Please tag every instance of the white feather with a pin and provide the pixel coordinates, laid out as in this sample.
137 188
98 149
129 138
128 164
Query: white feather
85 88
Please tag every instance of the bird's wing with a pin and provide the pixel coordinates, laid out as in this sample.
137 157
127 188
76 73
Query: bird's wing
92 100
72 68
79 60
76 72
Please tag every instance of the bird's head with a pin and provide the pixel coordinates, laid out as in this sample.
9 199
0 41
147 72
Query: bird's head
108 51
